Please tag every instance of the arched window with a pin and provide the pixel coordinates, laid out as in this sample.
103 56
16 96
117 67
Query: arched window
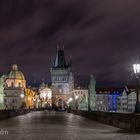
12 84
19 84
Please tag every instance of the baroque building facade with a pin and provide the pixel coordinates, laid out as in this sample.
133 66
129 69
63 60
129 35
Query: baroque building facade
122 102
116 100
14 89
62 80
80 98
30 98
2 85
106 99
45 95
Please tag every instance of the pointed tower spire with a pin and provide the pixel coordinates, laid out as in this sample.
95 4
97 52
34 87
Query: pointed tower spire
70 61
14 62
60 61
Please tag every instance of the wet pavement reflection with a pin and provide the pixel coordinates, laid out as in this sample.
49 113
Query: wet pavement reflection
51 125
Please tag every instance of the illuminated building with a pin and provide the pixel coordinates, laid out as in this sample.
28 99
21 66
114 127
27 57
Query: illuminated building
122 102
127 100
132 97
15 78
45 94
15 85
116 100
102 102
112 106
2 85
31 98
106 99
62 80
78 94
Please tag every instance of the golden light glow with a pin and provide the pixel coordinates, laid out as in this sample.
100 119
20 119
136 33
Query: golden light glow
30 97
136 68
22 95
76 97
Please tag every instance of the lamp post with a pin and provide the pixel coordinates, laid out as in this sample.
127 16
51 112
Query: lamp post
69 104
38 103
22 95
34 102
23 100
76 102
136 68
76 97
29 102
89 101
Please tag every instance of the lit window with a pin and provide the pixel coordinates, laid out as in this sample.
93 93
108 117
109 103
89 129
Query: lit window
19 84
12 84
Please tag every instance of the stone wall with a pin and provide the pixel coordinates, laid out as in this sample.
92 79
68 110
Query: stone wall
4 114
126 121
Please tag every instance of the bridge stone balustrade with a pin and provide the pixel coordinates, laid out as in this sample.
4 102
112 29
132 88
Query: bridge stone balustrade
128 121
4 114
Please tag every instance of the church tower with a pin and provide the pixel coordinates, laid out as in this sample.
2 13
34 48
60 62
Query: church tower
62 79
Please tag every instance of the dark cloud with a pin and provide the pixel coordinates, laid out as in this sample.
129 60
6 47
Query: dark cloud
101 36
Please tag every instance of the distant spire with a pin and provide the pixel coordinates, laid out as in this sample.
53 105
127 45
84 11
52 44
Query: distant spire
60 61
70 61
14 62
14 67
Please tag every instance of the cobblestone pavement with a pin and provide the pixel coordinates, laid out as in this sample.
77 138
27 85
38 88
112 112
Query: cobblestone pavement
59 126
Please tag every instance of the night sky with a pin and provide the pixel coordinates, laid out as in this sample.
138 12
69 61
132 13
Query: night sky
103 38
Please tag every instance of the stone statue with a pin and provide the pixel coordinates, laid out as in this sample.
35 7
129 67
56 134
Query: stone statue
83 105
92 93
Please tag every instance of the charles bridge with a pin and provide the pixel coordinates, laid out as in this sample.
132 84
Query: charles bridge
127 121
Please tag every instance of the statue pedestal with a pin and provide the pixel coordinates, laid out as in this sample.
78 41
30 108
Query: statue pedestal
92 103
83 106
137 108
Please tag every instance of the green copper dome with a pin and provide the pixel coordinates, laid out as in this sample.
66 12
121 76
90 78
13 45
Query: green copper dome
15 73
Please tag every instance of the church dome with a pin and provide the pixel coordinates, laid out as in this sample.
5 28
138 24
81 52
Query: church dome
15 73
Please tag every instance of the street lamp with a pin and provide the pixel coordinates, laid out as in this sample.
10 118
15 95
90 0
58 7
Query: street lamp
76 102
76 97
22 95
39 104
69 102
34 102
136 68
70 99
89 101
29 99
